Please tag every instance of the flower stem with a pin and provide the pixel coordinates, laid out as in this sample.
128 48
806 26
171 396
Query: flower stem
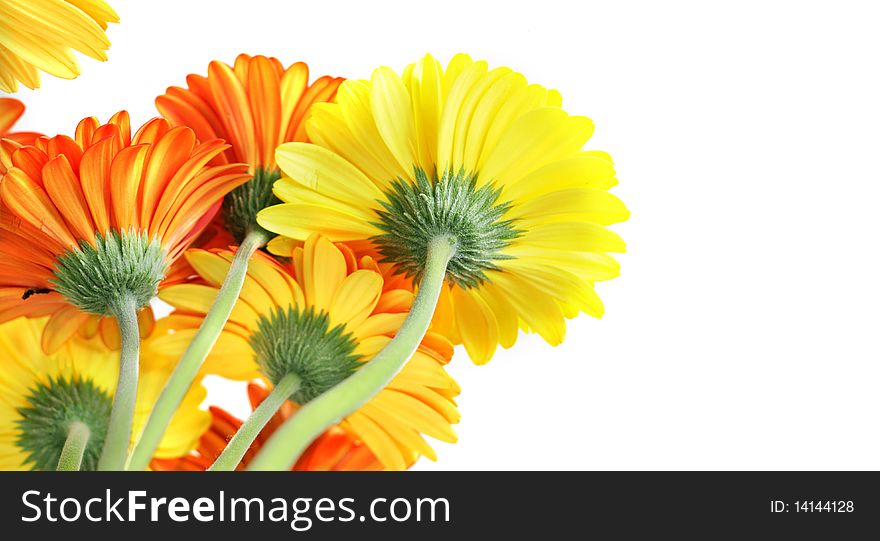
291 439
78 435
188 367
248 432
119 430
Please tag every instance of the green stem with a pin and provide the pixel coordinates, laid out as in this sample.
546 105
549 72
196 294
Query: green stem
248 432
291 439
119 430
188 366
78 435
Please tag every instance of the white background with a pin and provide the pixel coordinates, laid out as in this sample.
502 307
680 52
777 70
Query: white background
742 333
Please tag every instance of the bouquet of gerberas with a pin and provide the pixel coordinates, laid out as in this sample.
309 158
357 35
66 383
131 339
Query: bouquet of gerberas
330 242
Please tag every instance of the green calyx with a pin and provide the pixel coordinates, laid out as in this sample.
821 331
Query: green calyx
241 205
453 206
51 409
302 343
100 279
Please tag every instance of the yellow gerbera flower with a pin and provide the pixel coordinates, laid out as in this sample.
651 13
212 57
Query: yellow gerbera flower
480 156
319 318
42 35
43 396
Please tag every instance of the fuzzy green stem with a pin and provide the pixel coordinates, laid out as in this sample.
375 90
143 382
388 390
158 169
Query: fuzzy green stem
291 439
118 437
248 432
188 367
78 434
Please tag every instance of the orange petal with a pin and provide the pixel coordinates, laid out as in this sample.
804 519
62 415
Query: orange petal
61 327
109 330
151 131
167 155
232 103
264 91
293 84
182 185
123 121
63 145
64 189
31 161
84 131
94 175
10 111
321 90
146 321
126 175
31 203
185 108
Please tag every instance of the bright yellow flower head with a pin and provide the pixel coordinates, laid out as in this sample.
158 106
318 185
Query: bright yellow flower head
479 155
321 317
41 394
42 35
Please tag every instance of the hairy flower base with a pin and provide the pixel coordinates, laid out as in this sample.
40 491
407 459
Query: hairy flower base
241 205
99 278
52 408
303 343
451 206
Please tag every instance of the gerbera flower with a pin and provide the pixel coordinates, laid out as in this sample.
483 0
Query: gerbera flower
310 324
41 35
89 226
471 181
63 199
471 152
10 111
335 450
254 105
48 400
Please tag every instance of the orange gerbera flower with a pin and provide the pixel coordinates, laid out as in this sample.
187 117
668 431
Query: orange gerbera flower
89 219
10 111
335 450
255 105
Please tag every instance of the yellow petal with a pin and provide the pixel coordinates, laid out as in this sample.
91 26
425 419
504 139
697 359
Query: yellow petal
579 236
379 442
298 221
426 91
416 414
585 170
540 137
231 357
287 189
405 436
504 84
355 298
476 325
276 282
379 324
323 271
458 92
583 204
327 173
392 111
537 310
199 298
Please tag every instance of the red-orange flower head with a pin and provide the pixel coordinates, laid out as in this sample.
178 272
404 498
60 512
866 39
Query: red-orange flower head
89 221
255 105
